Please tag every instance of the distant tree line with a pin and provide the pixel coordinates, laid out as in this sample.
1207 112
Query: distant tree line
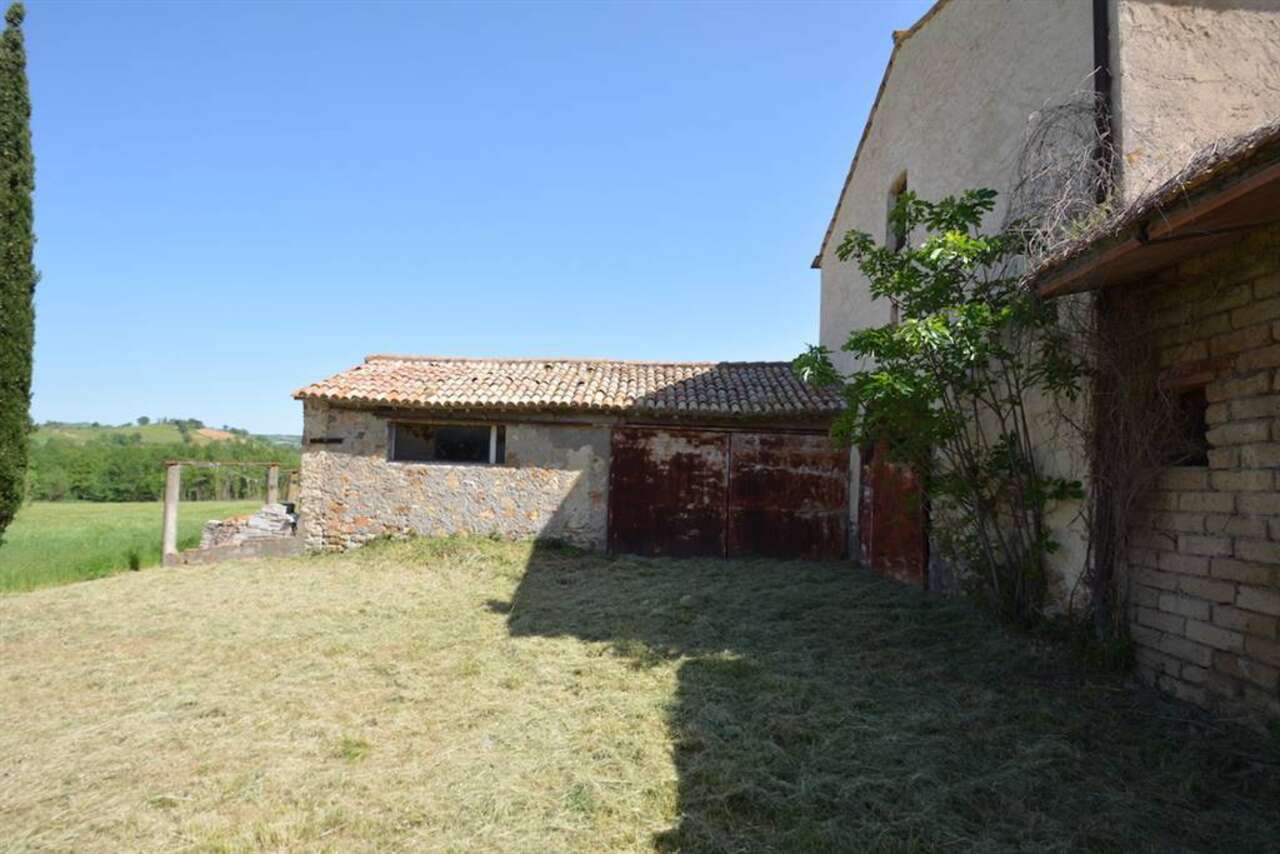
120 467
142 421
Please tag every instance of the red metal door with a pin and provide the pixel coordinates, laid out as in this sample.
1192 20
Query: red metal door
891 518
667 492
788 496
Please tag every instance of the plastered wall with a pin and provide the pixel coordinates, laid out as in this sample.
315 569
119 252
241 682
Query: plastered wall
953 116
1189 72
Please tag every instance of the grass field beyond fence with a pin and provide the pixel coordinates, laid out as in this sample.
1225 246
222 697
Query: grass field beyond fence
470 695
60 542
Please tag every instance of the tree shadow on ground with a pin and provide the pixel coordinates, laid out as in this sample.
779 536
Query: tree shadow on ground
820 707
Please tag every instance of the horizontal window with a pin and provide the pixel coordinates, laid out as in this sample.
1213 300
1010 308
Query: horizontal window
448 443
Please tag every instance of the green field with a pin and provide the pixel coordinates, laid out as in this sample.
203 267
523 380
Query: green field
161 433
60 542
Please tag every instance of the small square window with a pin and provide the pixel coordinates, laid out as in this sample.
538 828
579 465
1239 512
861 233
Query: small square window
1192 445
448 443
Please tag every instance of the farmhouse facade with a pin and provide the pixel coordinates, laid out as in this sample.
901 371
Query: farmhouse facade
708 459
1164 114
1022 98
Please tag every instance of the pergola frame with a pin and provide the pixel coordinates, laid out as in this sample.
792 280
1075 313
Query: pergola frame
173 488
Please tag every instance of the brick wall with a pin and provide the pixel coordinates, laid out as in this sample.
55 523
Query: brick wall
1204 574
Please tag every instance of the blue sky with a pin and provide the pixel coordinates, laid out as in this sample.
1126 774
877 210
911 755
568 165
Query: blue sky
236 199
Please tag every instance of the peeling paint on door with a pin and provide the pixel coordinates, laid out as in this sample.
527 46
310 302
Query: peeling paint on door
891 518
788 496
667 492
727 494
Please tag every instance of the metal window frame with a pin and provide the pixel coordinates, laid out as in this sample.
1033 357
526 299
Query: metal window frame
394 423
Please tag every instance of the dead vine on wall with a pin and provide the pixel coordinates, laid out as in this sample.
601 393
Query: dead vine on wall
1063 190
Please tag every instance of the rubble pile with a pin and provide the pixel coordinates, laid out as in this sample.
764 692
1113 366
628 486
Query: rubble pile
272 522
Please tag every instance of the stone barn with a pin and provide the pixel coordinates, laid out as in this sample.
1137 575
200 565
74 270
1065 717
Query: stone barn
680 459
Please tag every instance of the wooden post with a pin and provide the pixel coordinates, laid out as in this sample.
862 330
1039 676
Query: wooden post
172 485
273 484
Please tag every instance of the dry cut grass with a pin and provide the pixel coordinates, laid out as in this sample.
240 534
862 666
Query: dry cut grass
469 695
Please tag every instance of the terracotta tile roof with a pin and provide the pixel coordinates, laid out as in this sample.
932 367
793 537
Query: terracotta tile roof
588 385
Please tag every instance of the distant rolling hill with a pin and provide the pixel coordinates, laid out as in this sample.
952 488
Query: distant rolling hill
160 433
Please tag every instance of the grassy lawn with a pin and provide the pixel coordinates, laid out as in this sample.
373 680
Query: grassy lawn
459 695
59 542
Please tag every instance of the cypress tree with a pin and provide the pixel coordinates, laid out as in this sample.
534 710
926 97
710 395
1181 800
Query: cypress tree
17 271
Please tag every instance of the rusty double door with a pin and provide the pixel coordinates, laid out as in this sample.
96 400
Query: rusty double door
727 493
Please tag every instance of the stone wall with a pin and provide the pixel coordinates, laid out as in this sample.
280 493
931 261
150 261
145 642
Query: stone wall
554 484
271 522
1204 577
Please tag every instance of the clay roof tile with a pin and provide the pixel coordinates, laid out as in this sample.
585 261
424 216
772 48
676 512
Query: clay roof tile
711 388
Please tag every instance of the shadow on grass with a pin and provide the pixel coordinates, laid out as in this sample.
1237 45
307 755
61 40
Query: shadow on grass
822 708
